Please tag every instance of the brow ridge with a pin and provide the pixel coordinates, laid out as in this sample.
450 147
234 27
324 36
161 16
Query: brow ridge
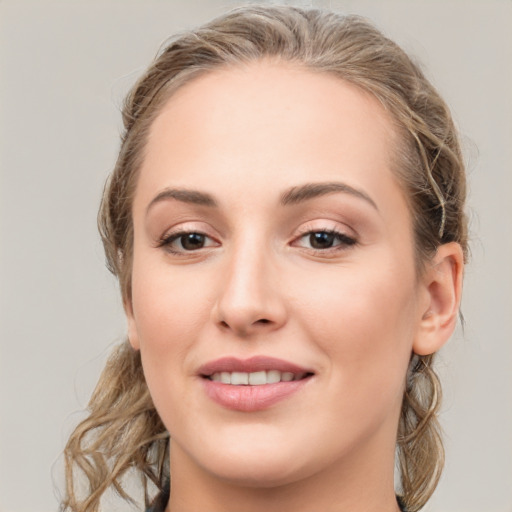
308 191
185 196
292 196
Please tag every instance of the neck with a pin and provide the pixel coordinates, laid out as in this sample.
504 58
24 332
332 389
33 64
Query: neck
365 484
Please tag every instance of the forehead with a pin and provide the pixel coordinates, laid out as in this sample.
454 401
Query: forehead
268 121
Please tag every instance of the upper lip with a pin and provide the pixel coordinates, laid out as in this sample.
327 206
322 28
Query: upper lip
253 364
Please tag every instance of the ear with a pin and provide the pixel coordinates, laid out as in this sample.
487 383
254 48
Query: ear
133 335
443 285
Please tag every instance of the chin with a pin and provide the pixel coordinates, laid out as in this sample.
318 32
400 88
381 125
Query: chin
253 457
265 472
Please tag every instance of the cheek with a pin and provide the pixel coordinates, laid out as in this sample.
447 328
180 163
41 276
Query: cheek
164 345
363 319
167 304
169 308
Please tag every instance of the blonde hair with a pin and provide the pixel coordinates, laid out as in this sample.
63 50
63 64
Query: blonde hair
123 431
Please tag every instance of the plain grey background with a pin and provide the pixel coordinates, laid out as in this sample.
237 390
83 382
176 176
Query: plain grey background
64 68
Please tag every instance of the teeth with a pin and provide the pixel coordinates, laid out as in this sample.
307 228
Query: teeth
273 376
239 378
255 378
225 377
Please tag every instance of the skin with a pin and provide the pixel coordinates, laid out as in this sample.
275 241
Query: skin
353 313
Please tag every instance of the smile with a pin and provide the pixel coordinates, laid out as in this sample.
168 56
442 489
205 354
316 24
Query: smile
253 384
260 378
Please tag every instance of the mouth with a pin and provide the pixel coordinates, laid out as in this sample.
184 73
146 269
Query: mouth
252 384
259 378
255 371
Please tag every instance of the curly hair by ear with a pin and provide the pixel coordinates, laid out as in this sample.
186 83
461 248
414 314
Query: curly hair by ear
122 432
419 434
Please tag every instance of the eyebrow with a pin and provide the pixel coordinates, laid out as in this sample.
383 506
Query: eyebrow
292 196
185 196
308 191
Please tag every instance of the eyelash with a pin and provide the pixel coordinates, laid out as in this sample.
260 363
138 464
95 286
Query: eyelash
166 241
344 241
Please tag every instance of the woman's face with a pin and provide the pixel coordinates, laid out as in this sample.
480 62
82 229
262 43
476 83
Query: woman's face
273 242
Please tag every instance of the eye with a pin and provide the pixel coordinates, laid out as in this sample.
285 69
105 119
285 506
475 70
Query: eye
326 239
186 241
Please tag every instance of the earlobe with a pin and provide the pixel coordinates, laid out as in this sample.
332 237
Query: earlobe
133 336
443 285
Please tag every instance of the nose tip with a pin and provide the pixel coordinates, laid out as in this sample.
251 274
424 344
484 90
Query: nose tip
244 324
249 300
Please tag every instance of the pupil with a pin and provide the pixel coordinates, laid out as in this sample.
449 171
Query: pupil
321 240
192 241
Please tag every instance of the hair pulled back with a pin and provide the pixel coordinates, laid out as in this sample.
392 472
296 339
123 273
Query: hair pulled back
123 431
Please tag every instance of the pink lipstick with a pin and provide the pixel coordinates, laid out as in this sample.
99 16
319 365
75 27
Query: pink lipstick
252 384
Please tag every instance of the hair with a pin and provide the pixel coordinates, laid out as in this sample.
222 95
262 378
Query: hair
123 431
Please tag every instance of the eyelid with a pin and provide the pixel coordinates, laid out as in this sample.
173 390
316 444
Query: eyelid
326 225
344 237
166 243
174 235
175 232
346 240
349 240
186 227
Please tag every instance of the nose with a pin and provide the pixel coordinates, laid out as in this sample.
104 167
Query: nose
250 299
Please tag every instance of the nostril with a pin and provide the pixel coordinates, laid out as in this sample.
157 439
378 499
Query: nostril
225 324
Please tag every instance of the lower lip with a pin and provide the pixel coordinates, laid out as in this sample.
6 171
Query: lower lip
251 398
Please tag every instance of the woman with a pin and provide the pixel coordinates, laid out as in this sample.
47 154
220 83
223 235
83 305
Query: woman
286 220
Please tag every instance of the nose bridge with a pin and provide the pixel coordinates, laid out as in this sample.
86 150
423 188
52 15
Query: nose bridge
248 298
